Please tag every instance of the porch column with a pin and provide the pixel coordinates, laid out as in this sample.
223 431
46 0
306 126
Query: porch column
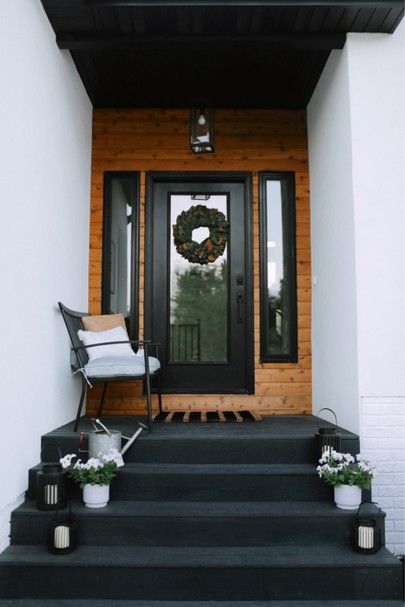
357 159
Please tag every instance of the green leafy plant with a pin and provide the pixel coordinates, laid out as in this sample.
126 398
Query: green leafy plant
344 469
96 471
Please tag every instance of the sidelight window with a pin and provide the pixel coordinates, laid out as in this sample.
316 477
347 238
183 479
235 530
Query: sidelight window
120 247
278 305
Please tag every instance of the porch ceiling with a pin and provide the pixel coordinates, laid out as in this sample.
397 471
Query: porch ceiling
233 53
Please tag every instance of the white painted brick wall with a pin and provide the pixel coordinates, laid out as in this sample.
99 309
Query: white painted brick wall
382 436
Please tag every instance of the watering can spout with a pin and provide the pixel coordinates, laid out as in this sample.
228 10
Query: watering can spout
133 438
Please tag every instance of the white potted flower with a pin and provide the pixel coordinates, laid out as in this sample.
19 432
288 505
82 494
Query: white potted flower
348 475
94 476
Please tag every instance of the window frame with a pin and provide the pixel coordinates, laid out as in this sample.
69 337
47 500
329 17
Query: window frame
289 256
109 176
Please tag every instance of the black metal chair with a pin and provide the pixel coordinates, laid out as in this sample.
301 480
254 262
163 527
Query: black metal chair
79 360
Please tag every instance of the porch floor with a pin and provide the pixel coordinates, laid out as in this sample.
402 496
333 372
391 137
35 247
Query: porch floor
290 426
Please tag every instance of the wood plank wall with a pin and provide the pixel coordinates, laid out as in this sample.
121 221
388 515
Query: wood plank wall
246 140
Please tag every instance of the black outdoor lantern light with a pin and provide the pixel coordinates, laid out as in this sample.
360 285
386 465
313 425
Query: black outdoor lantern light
327 438
62 534
366 533
51 484
201 130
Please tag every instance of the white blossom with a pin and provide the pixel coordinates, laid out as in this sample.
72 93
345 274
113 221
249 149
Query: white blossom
93 462
66 461
114 456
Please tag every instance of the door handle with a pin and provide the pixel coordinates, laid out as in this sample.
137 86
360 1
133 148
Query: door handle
239 301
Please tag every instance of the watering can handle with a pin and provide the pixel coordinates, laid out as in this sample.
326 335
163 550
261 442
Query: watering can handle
95 421
327 409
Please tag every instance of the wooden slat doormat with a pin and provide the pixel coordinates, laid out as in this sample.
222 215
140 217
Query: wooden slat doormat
207 416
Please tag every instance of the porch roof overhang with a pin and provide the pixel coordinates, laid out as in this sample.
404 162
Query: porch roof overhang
231 53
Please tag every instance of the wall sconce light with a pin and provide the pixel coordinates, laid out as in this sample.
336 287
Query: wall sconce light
201 130
366 532
51 484
327 438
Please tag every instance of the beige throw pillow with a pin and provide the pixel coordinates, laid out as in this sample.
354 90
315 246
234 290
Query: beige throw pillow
103 322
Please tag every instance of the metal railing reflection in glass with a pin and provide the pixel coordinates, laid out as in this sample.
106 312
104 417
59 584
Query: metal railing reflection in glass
185 342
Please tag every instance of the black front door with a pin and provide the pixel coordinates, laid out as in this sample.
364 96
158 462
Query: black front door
198 299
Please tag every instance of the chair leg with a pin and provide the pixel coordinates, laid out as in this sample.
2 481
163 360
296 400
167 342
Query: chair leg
148 401
159 390
79 409
101 405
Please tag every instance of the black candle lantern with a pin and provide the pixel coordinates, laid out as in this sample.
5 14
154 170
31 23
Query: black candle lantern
201 130
366 532
327 438
62 535
51 485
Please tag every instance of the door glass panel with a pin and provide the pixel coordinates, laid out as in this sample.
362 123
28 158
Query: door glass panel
122 197
279 318
278 341
198 293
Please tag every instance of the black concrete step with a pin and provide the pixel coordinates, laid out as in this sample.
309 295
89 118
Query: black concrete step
129 603
137 523
215 482
298 572
281 439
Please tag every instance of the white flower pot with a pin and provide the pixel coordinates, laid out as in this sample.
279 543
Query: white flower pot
96 496
348 497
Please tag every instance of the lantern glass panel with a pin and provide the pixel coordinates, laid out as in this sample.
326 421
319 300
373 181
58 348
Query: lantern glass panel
51 487
366 532
201 130
328 442
62 535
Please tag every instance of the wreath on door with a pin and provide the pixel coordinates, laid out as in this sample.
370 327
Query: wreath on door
209 249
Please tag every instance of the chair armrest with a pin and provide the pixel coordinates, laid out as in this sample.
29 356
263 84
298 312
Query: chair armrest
109 343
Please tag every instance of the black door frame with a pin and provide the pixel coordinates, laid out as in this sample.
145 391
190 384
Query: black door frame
243 178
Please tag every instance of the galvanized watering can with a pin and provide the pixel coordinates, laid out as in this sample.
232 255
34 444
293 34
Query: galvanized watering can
102 440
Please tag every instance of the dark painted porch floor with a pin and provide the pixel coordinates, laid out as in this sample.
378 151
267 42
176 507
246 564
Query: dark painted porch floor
289 426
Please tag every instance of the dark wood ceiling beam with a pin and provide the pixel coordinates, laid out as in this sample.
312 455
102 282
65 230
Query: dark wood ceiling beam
105 42
279 3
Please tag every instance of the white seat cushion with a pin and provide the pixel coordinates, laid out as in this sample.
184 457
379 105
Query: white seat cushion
120 366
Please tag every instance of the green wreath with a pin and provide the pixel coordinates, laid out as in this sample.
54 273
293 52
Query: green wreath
209 249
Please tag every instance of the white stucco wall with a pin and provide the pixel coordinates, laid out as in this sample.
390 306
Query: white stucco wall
356 117
377 107
45 125
334 311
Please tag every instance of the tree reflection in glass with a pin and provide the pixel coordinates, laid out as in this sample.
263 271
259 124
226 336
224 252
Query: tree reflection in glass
198 296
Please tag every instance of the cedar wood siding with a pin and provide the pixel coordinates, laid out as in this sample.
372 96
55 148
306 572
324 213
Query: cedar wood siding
245 140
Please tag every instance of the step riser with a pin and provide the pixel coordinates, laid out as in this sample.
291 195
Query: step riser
213 487
160 531
226 451
210 487
157 583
